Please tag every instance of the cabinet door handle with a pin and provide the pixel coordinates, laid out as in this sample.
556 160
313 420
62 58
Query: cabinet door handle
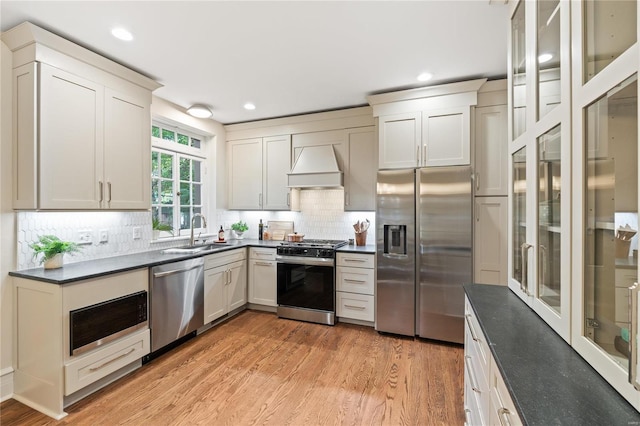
633 345
264 264
101 190
424 154
472 378
477 181
418 155
360 308
524 262
503 415
346 198
109 187
104 364
477 212
260 200
466 416
288 199
474 336
543 263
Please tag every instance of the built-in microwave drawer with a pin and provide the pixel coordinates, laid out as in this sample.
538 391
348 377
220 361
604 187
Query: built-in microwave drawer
93 366
95 325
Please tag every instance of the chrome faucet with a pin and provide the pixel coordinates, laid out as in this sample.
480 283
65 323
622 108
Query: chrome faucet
204 225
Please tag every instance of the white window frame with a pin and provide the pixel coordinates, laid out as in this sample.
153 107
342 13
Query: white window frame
179 151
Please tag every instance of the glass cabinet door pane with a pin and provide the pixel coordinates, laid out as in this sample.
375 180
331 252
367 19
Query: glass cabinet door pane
519 210
611 217
518 55
549 223
609 30
548 56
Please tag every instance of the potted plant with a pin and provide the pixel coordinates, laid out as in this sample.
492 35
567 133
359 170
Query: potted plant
52 249
239 228
158 226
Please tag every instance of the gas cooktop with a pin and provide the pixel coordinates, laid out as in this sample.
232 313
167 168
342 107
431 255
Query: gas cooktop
330 244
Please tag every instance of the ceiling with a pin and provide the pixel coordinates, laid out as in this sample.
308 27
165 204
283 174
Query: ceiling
288 57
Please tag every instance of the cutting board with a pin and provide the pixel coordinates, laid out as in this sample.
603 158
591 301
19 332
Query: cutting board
279 228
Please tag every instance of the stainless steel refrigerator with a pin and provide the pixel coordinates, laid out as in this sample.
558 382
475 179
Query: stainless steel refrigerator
424 249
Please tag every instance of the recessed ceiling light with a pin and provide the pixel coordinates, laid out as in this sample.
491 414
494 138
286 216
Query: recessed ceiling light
249 106
122 34
199 111
425 76
545 57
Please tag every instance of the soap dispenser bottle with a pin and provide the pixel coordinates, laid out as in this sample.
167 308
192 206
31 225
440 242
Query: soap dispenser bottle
221 234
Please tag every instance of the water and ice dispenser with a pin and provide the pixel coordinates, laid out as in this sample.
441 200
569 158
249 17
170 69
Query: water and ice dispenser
395 240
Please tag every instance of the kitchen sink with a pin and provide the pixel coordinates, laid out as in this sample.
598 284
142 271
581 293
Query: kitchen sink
187 249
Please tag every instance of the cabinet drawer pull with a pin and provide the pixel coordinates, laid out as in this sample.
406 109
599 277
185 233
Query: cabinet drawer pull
112 360
264 264
361 308
346 259
503 415
474 336
472 377
349 280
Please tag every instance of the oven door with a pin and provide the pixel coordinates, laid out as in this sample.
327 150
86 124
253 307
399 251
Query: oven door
306 283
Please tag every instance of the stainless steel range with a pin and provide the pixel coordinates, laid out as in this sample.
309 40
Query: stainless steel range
306 280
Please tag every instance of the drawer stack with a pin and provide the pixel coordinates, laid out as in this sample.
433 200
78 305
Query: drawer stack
355 283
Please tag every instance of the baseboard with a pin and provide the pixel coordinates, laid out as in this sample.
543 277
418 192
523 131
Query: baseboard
355 321
6 384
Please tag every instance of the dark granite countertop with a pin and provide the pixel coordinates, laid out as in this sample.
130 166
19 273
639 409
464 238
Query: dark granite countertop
369 248
78 271
549 382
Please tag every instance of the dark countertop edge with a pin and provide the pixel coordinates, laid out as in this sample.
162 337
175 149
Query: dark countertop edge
369 248
509 360
138 260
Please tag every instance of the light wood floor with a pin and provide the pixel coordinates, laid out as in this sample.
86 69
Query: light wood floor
257 369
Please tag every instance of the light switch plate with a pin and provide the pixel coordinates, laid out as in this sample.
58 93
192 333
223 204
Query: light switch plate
137 233
104 236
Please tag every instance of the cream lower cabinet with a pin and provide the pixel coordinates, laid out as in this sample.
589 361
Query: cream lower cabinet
491 151
355 284
47 376
262 276
225 283
490 240
486 398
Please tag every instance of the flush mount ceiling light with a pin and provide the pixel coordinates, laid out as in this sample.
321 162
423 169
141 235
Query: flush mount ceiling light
199 111
122 34
545 57
249 106
425 76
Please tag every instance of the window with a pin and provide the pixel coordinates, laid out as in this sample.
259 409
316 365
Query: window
177 179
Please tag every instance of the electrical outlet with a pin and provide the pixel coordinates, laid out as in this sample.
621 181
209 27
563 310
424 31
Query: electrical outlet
137 233
104 236
84 237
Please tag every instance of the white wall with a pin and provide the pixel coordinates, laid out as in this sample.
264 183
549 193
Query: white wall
7 228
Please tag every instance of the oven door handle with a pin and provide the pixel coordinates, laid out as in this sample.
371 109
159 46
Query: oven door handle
311 261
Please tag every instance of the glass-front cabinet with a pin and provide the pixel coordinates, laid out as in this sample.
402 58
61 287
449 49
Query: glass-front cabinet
541 159
605 187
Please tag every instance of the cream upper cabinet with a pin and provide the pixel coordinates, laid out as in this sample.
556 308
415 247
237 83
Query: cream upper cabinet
276 151
446 137
423 127
127 144
490 240
81 127
245 174
258 170
71 144
399 140
360 173
491 151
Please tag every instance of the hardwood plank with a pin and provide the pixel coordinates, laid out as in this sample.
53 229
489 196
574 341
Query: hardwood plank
259 369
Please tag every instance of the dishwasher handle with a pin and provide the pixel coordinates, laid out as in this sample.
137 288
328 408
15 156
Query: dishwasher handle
174 271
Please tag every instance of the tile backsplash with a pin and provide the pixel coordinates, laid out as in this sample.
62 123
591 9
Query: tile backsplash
322 215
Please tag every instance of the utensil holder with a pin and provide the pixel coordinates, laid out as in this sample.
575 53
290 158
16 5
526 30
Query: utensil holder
361 238
622 248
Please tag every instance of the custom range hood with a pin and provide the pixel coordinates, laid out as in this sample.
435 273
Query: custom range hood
316 167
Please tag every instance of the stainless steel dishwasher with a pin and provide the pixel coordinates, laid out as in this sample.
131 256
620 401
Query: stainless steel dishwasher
177 301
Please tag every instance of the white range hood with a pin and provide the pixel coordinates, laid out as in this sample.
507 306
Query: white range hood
316 167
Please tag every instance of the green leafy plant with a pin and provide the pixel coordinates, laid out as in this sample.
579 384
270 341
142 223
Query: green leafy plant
239 226
160 226
50 245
